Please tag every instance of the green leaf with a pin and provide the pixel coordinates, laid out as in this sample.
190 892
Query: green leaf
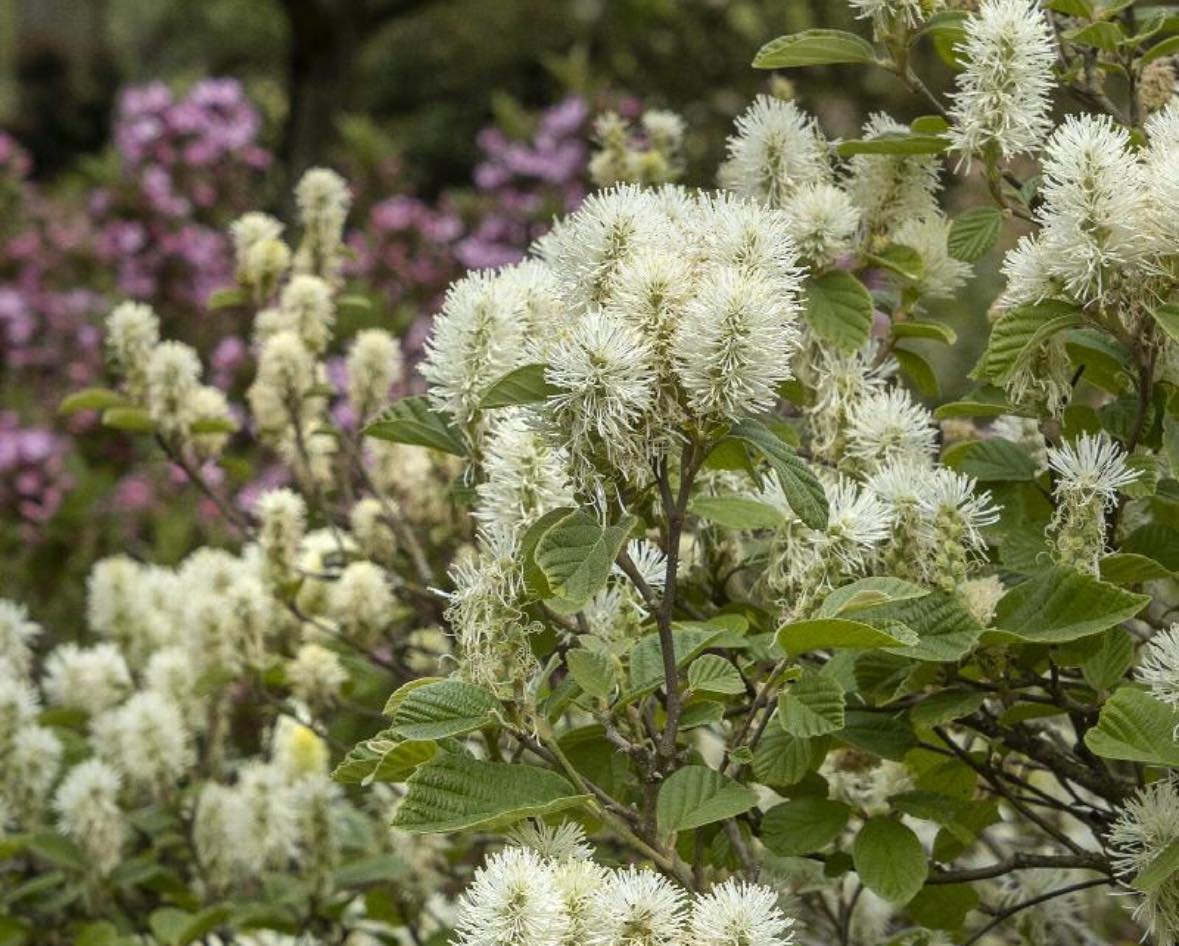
410 420
973 233
576 555
444 708
1135 727
696 795
934 331
383 758
890 860
1020 332
592 671
711 673
523 385
1168 47
993 460
91 399
812 706
839 310
917 370
868 593
1130 568
1161 869
736 512
832 633
453 792
1167 316
813 48
1101 35
889 737
903 260
945 629
781 760
135 420
227 297
646 659
803 826
802 490
891 143
534 579
1062 605
1110 658
944 707
985 401
214 425
943 906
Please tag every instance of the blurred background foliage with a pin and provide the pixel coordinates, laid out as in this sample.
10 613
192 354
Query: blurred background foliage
399 95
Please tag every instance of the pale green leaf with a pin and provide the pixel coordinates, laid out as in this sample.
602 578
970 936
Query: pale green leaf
410 420
696 795
1062 605
839 310
813 48
444 708
1135 727
802 489
710 673
523 385
890 860
812 706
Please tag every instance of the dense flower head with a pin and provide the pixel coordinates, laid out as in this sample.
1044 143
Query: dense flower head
889 189
775 149
1002 107
1147 826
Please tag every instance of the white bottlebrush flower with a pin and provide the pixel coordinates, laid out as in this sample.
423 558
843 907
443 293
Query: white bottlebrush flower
823 221
87 805
1089 472
286 375
640 908
1096 208
953 517
734 232
735 343
374 366
883 13
941 275
316 674
1004 98
32 760
170 671
268 830
1027 268
1091 467
368 523
307 306
981 596
580 882
889 189
512 901
738 914
17 632
564 842
775 149
250 229
297 751
588 249
219 821
1158 665
19 700
889 426
282 523
524 475
173 375
1147 825
857 523
649 562
147 740
93 678
208 405
478 337
361 600
323 199
651 291
606 373
1161 165
132 332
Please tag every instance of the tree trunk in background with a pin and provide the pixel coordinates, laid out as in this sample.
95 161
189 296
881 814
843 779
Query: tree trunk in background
322 43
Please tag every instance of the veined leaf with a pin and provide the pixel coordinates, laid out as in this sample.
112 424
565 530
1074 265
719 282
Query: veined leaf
410 420
454 792
1062 605
839 309
890 860
831 633
1018 333
803 825
576 555
592 671
812 706
868 593
813 48
803 491
710 673
696 795
1136 727
736 512
973 233
444 708
523 385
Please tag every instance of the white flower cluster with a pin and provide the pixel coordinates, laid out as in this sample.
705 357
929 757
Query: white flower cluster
650 154
1146 828
1003 104
165 377
554 895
